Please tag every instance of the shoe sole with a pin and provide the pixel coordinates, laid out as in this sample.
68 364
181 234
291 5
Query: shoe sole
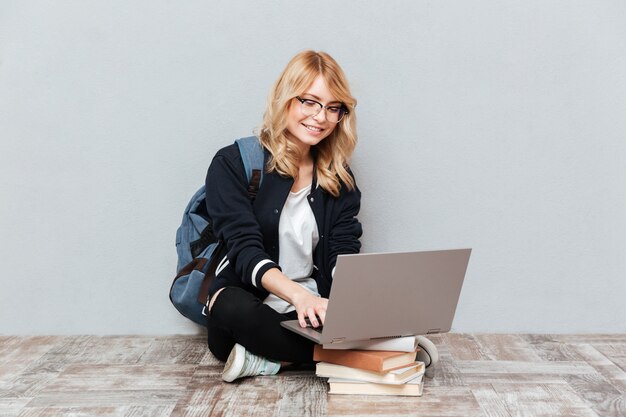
429 349
234 363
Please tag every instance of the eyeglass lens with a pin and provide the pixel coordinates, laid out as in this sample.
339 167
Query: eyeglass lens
333 113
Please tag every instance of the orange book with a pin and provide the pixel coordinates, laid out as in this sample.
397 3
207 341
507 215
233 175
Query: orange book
372 360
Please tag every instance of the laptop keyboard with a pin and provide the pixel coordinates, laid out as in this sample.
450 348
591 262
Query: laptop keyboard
318 329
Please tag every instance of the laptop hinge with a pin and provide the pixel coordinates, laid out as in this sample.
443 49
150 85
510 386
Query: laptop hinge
338 340
432 331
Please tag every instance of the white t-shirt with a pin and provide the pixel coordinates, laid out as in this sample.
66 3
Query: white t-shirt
297 238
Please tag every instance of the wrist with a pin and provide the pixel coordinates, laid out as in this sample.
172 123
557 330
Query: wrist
279 284
298 295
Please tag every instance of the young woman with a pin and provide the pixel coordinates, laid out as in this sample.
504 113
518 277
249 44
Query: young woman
282 247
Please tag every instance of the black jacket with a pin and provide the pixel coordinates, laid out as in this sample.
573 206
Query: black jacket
250 228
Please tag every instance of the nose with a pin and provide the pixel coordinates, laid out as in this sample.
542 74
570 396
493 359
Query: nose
321 116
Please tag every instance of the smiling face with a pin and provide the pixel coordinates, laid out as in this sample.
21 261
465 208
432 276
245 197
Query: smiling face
306 131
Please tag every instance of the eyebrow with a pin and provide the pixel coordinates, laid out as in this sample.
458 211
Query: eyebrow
317 98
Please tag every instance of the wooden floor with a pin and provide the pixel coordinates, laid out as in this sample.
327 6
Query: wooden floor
479 375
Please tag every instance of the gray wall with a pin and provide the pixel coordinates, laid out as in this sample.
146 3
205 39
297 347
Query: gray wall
494 125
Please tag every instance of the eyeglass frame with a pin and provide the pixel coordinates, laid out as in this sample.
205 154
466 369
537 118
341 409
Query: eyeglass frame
343 107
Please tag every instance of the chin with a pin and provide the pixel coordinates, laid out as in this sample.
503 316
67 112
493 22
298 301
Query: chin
305 139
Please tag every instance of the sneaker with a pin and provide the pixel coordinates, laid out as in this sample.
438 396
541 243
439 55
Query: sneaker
428 354
242 363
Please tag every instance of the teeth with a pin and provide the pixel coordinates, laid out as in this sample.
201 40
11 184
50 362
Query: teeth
314 129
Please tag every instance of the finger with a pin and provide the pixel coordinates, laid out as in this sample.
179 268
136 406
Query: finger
312 317
301 320
322 314
321 310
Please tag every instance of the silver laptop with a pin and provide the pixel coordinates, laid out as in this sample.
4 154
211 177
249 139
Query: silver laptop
385 295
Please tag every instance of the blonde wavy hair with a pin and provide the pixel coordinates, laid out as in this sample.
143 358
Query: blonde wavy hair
334 152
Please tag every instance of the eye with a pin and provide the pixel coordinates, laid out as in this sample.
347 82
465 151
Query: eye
334 110
310 103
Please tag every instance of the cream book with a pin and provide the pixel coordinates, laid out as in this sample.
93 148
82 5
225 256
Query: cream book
396 376
412 388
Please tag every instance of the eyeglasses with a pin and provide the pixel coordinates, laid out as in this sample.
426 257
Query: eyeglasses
311 108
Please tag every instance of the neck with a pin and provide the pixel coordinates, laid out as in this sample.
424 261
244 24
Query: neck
304 150
305 174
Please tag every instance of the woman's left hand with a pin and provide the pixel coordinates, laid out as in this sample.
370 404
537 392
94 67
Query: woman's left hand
307 305
310 306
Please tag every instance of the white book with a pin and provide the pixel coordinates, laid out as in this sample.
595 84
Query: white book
396 376
413 388
397 344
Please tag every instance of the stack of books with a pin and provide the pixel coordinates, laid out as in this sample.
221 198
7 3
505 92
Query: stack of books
370 372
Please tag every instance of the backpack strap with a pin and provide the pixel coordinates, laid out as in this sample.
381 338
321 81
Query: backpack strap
253 159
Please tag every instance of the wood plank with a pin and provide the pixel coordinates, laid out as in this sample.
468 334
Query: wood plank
542 400
613 373
25 350
203 393
100 350
209 359
464 347
611 406
435 401
247 397
175 349
512 378
285 395
490 402
148 411
603 397
611 350
131 411
12 406
9 372
506 347
206 394
70 412
590 338
105 398
300 395
447 372
561 368
22 371
122 377
28 382
620 363
548 348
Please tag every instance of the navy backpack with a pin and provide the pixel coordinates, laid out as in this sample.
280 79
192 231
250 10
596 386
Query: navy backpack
199 251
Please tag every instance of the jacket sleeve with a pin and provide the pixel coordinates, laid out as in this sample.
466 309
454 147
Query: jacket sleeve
230 210
346 229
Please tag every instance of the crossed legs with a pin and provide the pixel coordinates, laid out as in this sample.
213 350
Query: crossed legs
238 316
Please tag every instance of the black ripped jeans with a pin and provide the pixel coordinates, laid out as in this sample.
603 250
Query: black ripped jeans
238 316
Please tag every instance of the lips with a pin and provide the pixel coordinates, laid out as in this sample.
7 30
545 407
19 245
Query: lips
312 128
